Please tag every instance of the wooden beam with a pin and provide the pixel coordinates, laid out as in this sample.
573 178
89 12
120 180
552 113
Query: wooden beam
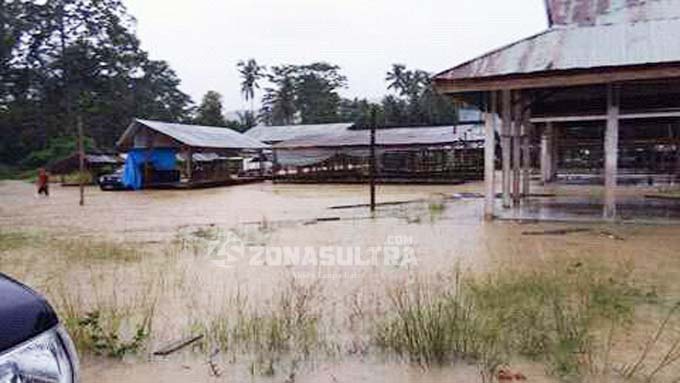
611 143
556 79
603 117
489 156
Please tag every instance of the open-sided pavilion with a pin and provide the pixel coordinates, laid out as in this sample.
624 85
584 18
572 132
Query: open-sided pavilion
612 65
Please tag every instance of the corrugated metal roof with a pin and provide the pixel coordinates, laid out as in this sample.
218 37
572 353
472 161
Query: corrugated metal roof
600 12
272 134
649 42
389 137
202 157
110 159
197 136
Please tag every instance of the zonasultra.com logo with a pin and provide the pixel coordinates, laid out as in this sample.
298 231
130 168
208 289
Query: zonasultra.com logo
231 251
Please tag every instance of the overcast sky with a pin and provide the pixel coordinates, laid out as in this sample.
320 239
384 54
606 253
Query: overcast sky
204 39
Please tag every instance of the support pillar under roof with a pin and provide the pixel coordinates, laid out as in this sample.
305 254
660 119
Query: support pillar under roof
489 156
506 127
611 144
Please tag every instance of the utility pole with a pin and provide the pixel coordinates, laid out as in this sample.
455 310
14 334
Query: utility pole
81 160
374 122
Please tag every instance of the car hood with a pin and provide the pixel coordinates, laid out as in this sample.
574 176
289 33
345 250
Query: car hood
23 313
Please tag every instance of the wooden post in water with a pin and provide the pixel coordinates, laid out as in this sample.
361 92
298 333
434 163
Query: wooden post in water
81 160
372 166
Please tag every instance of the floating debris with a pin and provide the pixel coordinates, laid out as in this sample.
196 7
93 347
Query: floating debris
557 231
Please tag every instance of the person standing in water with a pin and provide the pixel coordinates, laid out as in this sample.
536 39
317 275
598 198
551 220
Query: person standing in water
43 182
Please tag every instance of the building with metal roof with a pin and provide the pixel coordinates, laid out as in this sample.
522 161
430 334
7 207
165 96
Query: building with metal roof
207 154
275 134
143 133
439 154
598 86
402 136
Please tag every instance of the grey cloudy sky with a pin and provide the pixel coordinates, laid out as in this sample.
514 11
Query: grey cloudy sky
204 39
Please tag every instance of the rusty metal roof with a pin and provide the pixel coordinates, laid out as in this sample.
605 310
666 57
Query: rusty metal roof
437 135
195 135
273 134
601 12
586 34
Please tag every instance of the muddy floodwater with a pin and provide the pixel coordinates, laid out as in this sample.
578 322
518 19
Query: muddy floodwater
196 254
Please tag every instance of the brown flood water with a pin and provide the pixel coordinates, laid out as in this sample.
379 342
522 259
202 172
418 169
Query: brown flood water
442 234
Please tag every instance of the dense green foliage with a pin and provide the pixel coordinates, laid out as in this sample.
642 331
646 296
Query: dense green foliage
308 94
65 58
209 113
304 94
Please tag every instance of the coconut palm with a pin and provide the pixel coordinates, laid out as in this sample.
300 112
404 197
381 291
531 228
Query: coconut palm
397 78
251 73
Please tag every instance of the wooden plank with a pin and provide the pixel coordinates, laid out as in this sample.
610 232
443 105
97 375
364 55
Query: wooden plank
177 345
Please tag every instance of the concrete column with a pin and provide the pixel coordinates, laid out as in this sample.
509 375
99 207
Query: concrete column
611 145
526 153
516 147
546 153
489 156
555 156
506 144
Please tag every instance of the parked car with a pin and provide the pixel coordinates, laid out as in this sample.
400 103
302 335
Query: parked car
34 346
113 181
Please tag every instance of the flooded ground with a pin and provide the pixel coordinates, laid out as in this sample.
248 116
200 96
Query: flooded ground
196 255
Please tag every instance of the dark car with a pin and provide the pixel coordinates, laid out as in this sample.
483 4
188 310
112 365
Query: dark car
113 181
34 347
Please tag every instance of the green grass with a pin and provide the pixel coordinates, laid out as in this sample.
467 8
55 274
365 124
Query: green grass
109 326
289 325
552 316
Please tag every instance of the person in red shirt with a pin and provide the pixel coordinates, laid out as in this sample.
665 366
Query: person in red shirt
43 182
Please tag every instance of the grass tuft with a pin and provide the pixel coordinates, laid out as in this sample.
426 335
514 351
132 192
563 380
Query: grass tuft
550 316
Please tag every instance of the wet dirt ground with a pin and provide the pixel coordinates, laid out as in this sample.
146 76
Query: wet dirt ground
438 228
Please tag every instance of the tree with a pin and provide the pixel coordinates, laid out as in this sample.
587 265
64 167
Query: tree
209 113
396 78
416 103
251 73
302 93
59 58
278 103
247 119
316 89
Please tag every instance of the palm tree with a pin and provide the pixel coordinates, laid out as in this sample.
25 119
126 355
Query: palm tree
397 78
251 73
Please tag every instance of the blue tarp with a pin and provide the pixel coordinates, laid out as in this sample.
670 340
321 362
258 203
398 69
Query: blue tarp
160 159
